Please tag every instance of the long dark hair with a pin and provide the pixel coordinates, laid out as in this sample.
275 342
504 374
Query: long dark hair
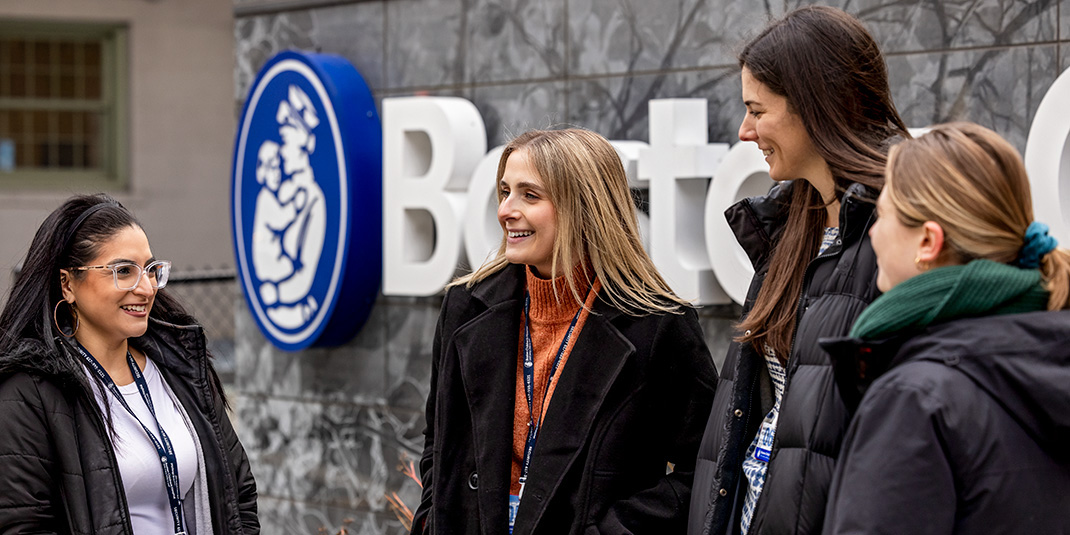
70 236
831 71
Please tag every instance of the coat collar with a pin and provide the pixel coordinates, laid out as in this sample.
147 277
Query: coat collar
181 349
1019 360
856 363
487 349
757 221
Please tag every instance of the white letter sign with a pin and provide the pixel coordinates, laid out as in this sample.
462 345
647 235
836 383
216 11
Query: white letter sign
679 164
1047 159
430 147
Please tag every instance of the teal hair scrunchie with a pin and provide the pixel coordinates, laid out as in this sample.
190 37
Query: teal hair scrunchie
1037 244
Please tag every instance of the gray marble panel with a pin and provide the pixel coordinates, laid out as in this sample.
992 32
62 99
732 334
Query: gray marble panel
617 107
512 40
354 372
426 42
285 517
257 39
410 333
353 31
510 110
248 3
335 454
290 5
917 25
998 88
1064 20
619 36
462 91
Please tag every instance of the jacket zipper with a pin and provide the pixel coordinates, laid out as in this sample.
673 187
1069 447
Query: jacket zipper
807 280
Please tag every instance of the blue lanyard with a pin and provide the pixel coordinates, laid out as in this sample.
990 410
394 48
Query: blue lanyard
164 449
529 381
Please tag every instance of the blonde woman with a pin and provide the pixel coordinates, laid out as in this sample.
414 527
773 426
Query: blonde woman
968 430
566 375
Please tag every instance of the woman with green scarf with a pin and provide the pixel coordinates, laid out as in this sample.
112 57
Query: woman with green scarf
960 371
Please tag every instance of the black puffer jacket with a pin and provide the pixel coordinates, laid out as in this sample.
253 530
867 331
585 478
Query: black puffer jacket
968 432
59 470
813 418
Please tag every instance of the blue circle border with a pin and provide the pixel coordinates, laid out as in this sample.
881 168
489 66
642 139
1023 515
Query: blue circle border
361 135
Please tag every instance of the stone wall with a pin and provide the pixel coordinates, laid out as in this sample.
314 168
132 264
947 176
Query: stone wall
325 429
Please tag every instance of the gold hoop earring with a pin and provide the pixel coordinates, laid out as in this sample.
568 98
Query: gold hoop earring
55 318
922 266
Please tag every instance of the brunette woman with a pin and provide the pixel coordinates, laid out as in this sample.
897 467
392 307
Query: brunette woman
816 93
969 429
569 385
114 419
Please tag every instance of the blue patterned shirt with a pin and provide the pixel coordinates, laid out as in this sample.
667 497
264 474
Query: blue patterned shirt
757 460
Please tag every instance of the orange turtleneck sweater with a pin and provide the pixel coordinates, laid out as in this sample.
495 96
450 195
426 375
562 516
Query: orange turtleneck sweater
550 320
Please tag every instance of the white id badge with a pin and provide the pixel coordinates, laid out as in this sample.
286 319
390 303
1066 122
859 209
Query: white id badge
514 504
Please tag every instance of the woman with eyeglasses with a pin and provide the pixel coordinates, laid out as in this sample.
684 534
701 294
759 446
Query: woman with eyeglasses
114 420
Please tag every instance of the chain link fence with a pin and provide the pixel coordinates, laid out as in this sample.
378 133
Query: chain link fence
210 295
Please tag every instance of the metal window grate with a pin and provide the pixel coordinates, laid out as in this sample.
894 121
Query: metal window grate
51 102
62 104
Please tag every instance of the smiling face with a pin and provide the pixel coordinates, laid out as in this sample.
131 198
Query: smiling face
526 214
106 313
895 244
781 135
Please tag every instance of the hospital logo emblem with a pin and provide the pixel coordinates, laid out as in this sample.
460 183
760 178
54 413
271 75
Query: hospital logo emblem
306 200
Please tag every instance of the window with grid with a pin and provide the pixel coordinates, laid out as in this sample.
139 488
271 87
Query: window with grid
62 109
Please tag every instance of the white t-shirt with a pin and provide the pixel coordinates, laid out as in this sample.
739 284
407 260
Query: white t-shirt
139 464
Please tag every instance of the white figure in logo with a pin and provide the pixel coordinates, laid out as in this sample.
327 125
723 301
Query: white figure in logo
290 219
269 220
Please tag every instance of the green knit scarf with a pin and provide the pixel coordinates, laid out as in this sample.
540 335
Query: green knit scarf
979 288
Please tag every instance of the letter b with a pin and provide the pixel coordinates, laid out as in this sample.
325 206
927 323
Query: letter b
430 147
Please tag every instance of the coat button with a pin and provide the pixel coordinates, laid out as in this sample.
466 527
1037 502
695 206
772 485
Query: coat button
724 492
473 481
738 413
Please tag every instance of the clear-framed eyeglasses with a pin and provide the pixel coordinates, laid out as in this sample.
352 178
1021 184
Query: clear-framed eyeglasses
127 275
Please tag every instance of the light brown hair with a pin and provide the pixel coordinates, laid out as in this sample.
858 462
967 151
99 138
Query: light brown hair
596 221
973 183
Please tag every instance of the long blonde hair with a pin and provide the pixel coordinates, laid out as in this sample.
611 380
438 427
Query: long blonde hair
596 221
972 183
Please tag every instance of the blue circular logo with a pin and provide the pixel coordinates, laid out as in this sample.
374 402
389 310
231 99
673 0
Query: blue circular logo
307 200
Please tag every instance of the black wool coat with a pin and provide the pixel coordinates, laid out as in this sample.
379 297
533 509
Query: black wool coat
632 397
968 431
838 285
59 470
